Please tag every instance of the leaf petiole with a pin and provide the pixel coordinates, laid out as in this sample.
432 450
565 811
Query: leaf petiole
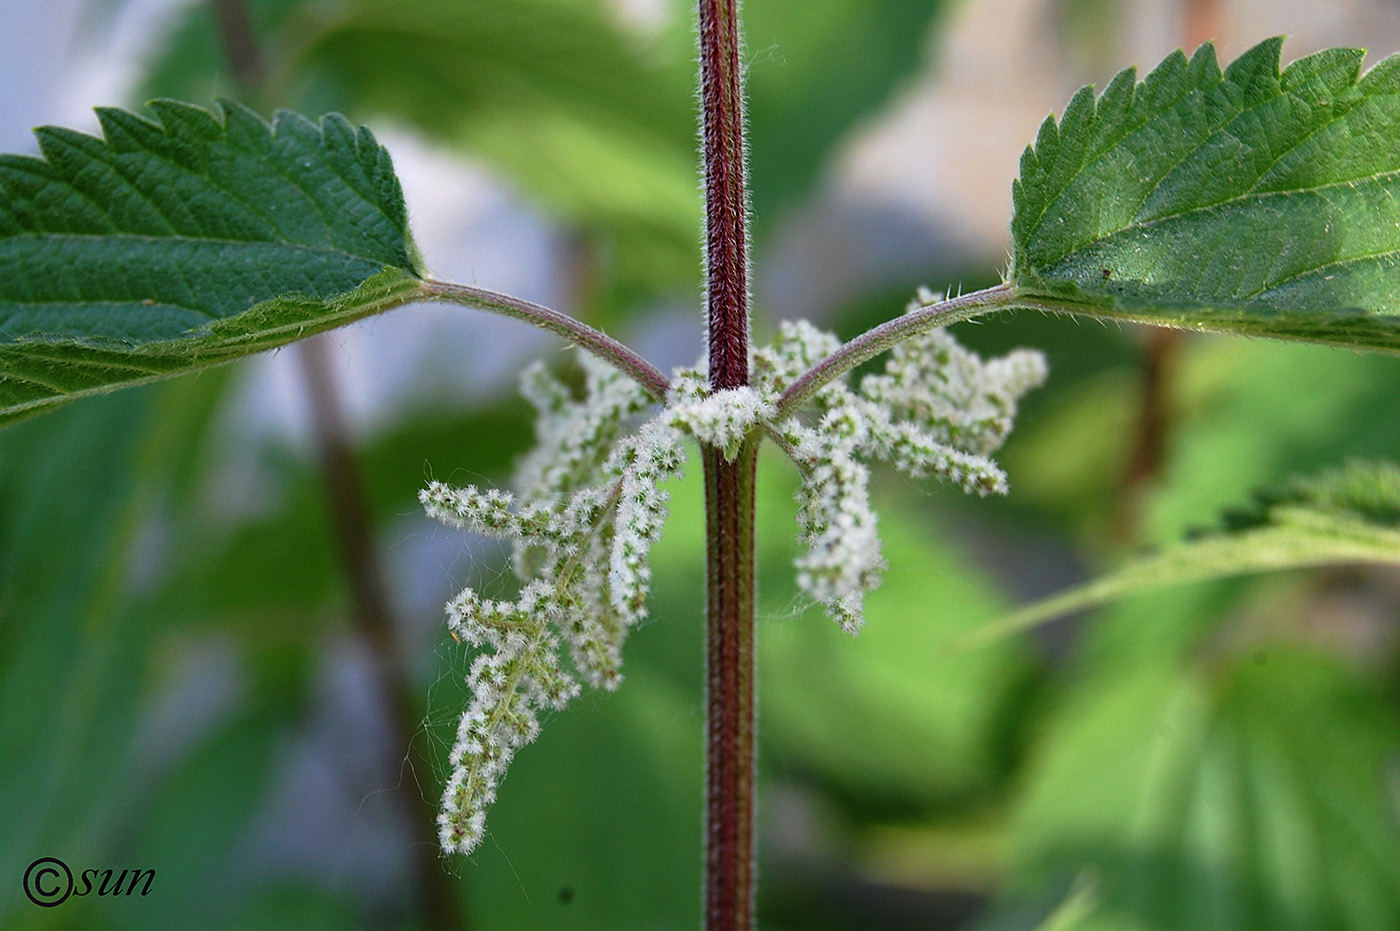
575 331
884 337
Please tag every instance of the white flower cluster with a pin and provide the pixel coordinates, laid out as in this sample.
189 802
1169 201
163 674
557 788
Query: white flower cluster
717 418
938 409
589 509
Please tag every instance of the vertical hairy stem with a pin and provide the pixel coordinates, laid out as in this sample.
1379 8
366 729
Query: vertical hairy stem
726 196
729 638
729 489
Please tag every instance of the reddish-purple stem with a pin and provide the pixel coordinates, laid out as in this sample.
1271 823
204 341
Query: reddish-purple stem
729 487
726 198
730 777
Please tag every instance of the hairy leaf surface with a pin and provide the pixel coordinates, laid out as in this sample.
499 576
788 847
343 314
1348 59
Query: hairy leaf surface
175 244
1250 201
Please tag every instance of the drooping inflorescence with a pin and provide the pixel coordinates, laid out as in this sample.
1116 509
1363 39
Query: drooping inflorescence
589 506
938 409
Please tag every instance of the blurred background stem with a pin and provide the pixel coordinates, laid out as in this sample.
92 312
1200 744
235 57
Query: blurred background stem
349 515
372 622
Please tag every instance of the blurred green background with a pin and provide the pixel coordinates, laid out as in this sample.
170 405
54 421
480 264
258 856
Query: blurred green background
189 681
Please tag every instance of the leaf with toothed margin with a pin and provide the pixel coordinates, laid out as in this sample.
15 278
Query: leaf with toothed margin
175 244
1249 201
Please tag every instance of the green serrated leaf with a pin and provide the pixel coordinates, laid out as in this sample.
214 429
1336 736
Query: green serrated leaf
1249 201
1351 514
194 239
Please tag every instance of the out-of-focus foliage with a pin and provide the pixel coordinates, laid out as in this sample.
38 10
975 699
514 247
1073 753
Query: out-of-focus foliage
88 493
592 116
552 94
1350 514
1247 793
171 631
814 76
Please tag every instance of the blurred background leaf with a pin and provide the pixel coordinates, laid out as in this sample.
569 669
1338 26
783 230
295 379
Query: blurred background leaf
1247 795
1344 515
172 593
814 77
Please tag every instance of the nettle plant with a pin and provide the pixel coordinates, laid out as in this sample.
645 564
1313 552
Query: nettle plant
1249 200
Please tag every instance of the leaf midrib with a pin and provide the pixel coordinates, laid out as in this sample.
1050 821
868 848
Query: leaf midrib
214 241
1252 194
